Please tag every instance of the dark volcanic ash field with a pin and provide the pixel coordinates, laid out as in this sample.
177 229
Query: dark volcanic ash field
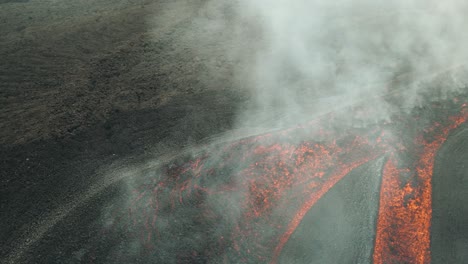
83 85
130 133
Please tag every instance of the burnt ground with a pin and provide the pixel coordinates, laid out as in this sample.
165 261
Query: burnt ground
84 85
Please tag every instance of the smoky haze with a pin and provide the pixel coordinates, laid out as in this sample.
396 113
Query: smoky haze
299 59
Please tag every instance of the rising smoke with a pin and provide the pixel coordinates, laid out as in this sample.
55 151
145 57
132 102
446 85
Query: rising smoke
301 58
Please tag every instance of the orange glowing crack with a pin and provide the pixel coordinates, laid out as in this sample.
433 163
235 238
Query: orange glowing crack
313 198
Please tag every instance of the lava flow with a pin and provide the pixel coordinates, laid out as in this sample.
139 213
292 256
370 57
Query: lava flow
403 229
242 202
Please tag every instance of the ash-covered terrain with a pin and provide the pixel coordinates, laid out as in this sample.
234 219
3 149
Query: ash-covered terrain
88 84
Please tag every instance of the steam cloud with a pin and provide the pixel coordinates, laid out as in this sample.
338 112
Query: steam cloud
299 59
306 57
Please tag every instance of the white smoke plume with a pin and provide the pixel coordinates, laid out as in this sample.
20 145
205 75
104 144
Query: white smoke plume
302 58
299 59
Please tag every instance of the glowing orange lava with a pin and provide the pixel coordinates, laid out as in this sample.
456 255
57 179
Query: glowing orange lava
403 227
256 191
313 198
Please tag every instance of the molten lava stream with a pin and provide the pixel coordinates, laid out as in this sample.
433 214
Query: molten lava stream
312 200
403 225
